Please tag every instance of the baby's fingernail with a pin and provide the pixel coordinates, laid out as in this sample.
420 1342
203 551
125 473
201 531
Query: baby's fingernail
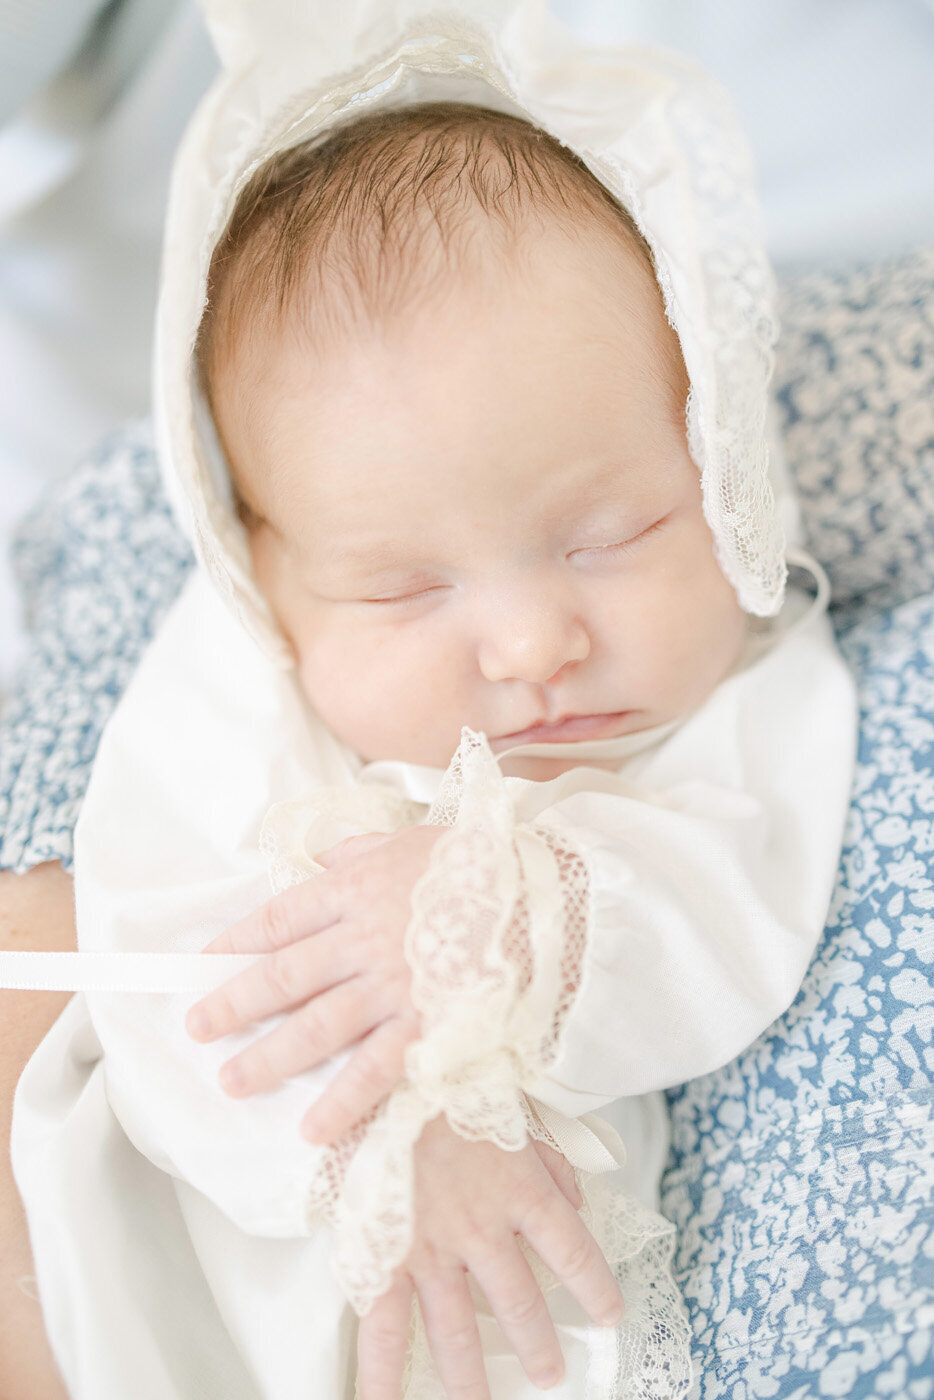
232 1078
198 1024
614 1316
546 1379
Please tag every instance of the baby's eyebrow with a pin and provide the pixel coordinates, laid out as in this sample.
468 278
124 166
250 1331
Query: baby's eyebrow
375 555
583 493
338 565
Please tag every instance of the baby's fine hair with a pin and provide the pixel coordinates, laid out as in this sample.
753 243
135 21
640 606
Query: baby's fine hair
378 213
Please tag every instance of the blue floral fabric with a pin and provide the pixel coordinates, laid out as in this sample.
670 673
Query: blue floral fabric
801 1178
99 562
855 386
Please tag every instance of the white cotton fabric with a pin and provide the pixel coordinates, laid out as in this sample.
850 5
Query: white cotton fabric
711 871
696 875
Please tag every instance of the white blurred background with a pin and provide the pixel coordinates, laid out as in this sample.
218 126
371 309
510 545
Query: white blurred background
837 95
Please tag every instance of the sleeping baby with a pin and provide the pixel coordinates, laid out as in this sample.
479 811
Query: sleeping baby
492 669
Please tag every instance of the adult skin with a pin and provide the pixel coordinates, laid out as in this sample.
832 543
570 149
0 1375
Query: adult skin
37 912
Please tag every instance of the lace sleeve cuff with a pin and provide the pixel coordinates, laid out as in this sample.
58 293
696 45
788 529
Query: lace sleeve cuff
495 944
499 925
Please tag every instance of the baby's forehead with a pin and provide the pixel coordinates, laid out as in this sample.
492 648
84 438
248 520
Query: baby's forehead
518 396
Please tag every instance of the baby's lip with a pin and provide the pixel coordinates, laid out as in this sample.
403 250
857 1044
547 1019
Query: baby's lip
565 729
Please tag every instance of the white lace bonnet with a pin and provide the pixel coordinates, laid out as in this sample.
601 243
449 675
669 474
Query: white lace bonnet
655 129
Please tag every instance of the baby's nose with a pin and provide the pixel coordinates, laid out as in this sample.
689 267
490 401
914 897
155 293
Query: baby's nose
531 640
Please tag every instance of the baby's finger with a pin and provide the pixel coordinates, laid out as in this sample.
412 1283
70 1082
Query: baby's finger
559 1237
275 983
382 1342
374 1070
519 1305
316 1031
295 913
453 1335
351 846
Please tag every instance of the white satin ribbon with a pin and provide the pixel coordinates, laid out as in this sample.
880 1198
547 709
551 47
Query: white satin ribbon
120 972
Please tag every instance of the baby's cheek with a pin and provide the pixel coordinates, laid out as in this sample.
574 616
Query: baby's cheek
334 677
364 691
693 634
720 634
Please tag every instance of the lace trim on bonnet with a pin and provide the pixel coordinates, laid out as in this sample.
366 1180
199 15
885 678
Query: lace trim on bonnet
496 944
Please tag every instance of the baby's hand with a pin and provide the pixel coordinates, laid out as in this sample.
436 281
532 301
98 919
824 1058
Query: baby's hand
337 945
471 1201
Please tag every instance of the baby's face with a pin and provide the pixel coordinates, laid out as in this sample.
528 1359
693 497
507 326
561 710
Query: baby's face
487 515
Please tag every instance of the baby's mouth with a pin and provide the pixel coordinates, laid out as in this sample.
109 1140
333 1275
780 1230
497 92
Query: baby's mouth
565 730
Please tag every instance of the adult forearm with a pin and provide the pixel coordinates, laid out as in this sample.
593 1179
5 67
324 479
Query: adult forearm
36 913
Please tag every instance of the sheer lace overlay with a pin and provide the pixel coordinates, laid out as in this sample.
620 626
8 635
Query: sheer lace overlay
496 943
727 434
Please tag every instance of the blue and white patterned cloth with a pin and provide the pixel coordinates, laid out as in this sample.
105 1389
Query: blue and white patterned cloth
99 563
855 385
801 1177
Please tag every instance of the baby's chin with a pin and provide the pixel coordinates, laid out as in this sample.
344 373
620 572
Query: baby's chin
541 769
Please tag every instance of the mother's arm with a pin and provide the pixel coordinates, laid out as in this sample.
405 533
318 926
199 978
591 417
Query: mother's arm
36 913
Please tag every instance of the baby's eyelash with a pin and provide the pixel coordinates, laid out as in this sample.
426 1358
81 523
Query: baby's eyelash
623 545
406 597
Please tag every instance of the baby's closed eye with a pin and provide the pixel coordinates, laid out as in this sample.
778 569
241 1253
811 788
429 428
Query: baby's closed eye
622 546
411 596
